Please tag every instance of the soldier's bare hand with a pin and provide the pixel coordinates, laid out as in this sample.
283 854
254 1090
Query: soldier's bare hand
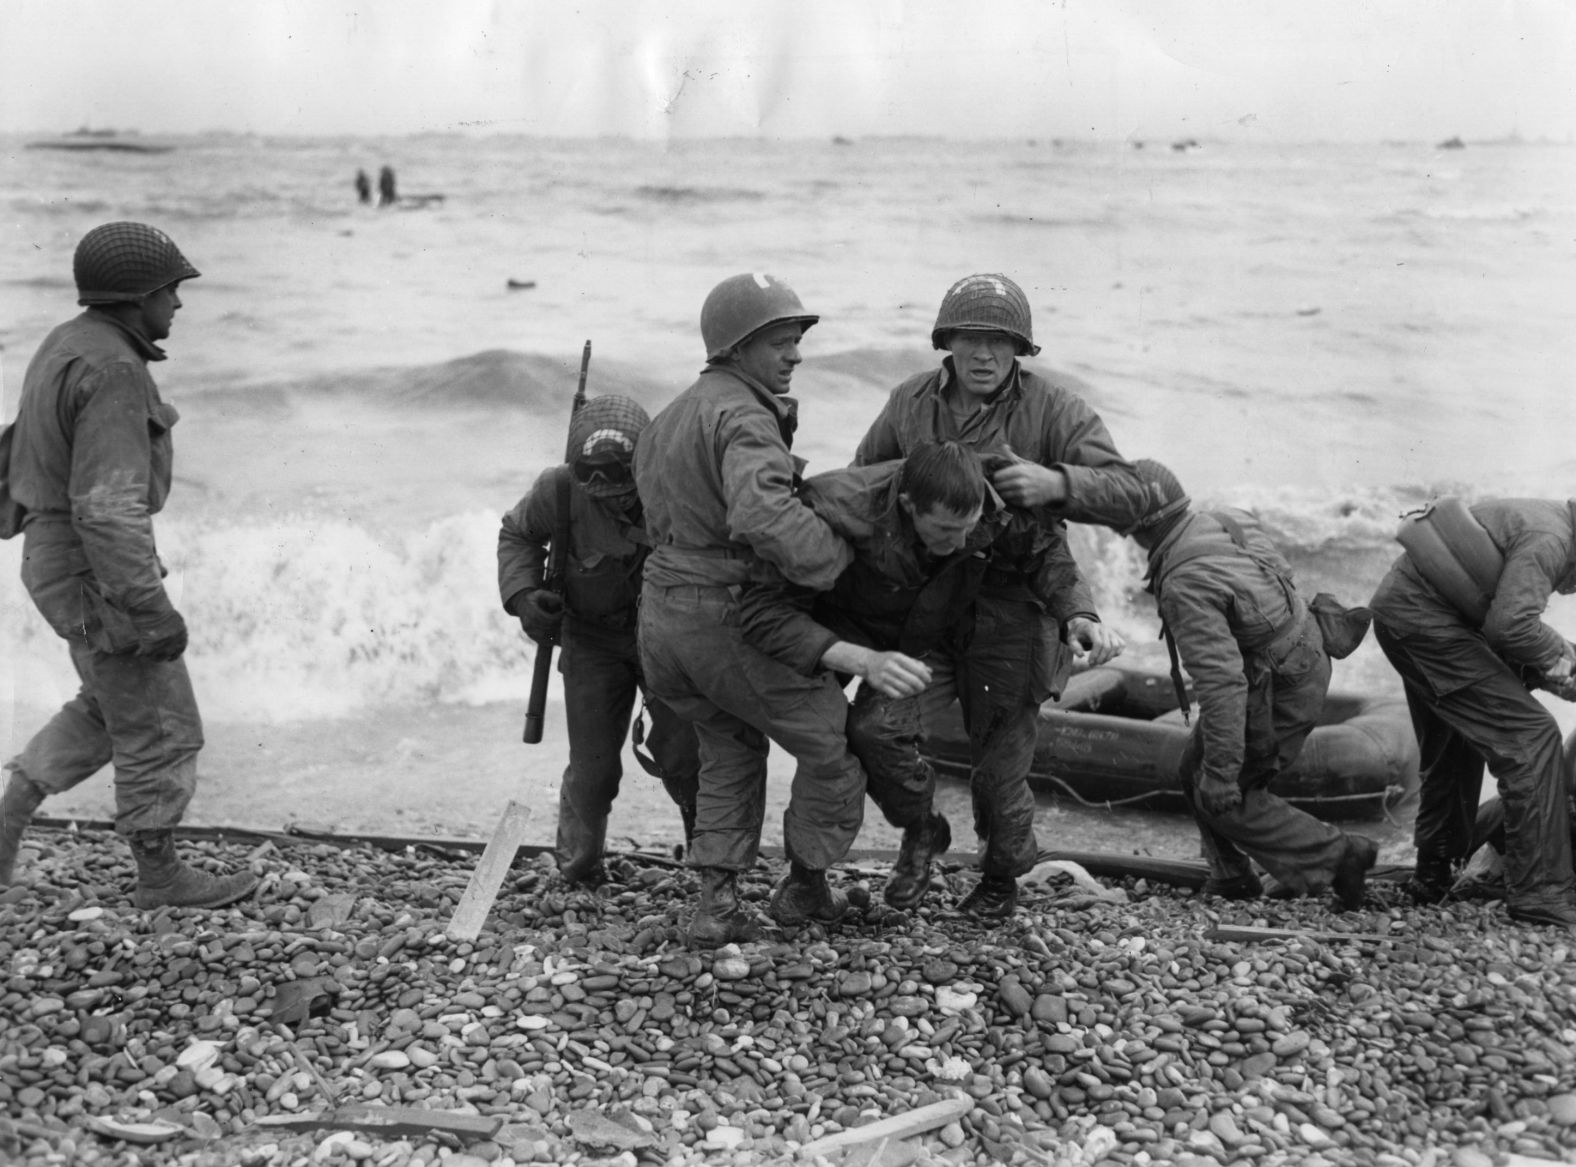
1094 640
896 675
1028 484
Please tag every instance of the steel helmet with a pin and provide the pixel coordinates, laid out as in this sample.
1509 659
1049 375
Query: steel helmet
985 303
741 306
606 426
1163 496
123 262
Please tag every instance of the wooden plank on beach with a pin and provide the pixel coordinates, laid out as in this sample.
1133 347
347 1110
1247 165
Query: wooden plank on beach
1250 934
387 1120
482 891
899 1126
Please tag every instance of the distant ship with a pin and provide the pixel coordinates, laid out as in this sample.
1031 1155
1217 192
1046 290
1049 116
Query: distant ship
87 139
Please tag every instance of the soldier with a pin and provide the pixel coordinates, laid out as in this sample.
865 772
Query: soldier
91 464
607 548
926 530
1231 613
1467 678
1049 452
717 479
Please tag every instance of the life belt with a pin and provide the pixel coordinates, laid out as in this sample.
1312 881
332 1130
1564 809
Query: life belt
1453 552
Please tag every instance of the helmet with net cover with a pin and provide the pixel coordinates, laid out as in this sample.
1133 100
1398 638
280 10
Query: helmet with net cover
1163 497
123 262
602 440
985 303
743 305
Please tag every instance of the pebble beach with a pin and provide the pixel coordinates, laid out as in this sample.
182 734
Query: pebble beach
1106 1023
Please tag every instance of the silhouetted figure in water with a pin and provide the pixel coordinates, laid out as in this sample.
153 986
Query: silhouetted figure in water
386 195
363 187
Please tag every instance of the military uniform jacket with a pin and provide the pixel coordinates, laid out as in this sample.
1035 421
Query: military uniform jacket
1225 606
607 548
1537 537
92 447
717 479
894 596
1038 419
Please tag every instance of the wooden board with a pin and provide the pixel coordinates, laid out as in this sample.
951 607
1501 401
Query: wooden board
482 891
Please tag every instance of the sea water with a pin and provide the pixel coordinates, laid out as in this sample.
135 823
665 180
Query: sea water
1327 334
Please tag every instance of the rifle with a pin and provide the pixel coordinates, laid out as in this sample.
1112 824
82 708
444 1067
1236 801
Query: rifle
553 578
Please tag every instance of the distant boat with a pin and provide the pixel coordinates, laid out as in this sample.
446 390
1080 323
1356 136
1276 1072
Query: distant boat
1183 145
1452 144
88 139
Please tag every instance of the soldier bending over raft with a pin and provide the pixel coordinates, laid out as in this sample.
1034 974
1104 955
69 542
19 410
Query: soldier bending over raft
1047 451
91 463
926 531
717 479
607 548
1260 670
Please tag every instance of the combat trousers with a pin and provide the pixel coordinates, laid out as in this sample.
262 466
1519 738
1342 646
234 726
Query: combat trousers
601 670
1283 707
136 712
695 659
1014 660
1491 718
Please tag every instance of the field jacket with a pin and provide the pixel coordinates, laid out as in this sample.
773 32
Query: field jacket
1038 419
1230 610
607 548
1537 537
894 596
92 449
717 479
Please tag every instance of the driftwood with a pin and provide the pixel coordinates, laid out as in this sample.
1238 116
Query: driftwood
899 1126
1250 934
393 1121
482 891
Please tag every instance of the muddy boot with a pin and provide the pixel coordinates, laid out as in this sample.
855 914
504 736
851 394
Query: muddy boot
164 881
1246 886
804 896
1351 873
1431 880
910 878
720 919
995 897
17 805
580 850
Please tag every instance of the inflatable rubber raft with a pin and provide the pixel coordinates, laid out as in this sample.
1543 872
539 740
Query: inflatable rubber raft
1115 738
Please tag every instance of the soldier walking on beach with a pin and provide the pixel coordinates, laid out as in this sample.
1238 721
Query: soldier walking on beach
1468 679
607 548
91 463
1236 622
1049 452
925 530
717 479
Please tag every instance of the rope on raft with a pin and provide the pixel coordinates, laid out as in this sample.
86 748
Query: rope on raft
1391 795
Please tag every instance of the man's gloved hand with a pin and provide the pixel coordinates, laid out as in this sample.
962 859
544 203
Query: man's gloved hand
168 647
1218 796
541 613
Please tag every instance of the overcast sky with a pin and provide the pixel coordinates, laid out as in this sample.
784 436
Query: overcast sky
1102 69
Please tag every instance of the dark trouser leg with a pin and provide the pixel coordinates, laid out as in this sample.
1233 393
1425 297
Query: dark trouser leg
1474 695
1299 850
675 753
695 659
599 696
74 744
887 734
1006 671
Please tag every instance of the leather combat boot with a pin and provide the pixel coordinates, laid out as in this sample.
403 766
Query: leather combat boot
164 881
16 809
1431 881
580 852
910 878
1351 873
1246 886
1548 913
720 919
17 805
995 897
804 896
